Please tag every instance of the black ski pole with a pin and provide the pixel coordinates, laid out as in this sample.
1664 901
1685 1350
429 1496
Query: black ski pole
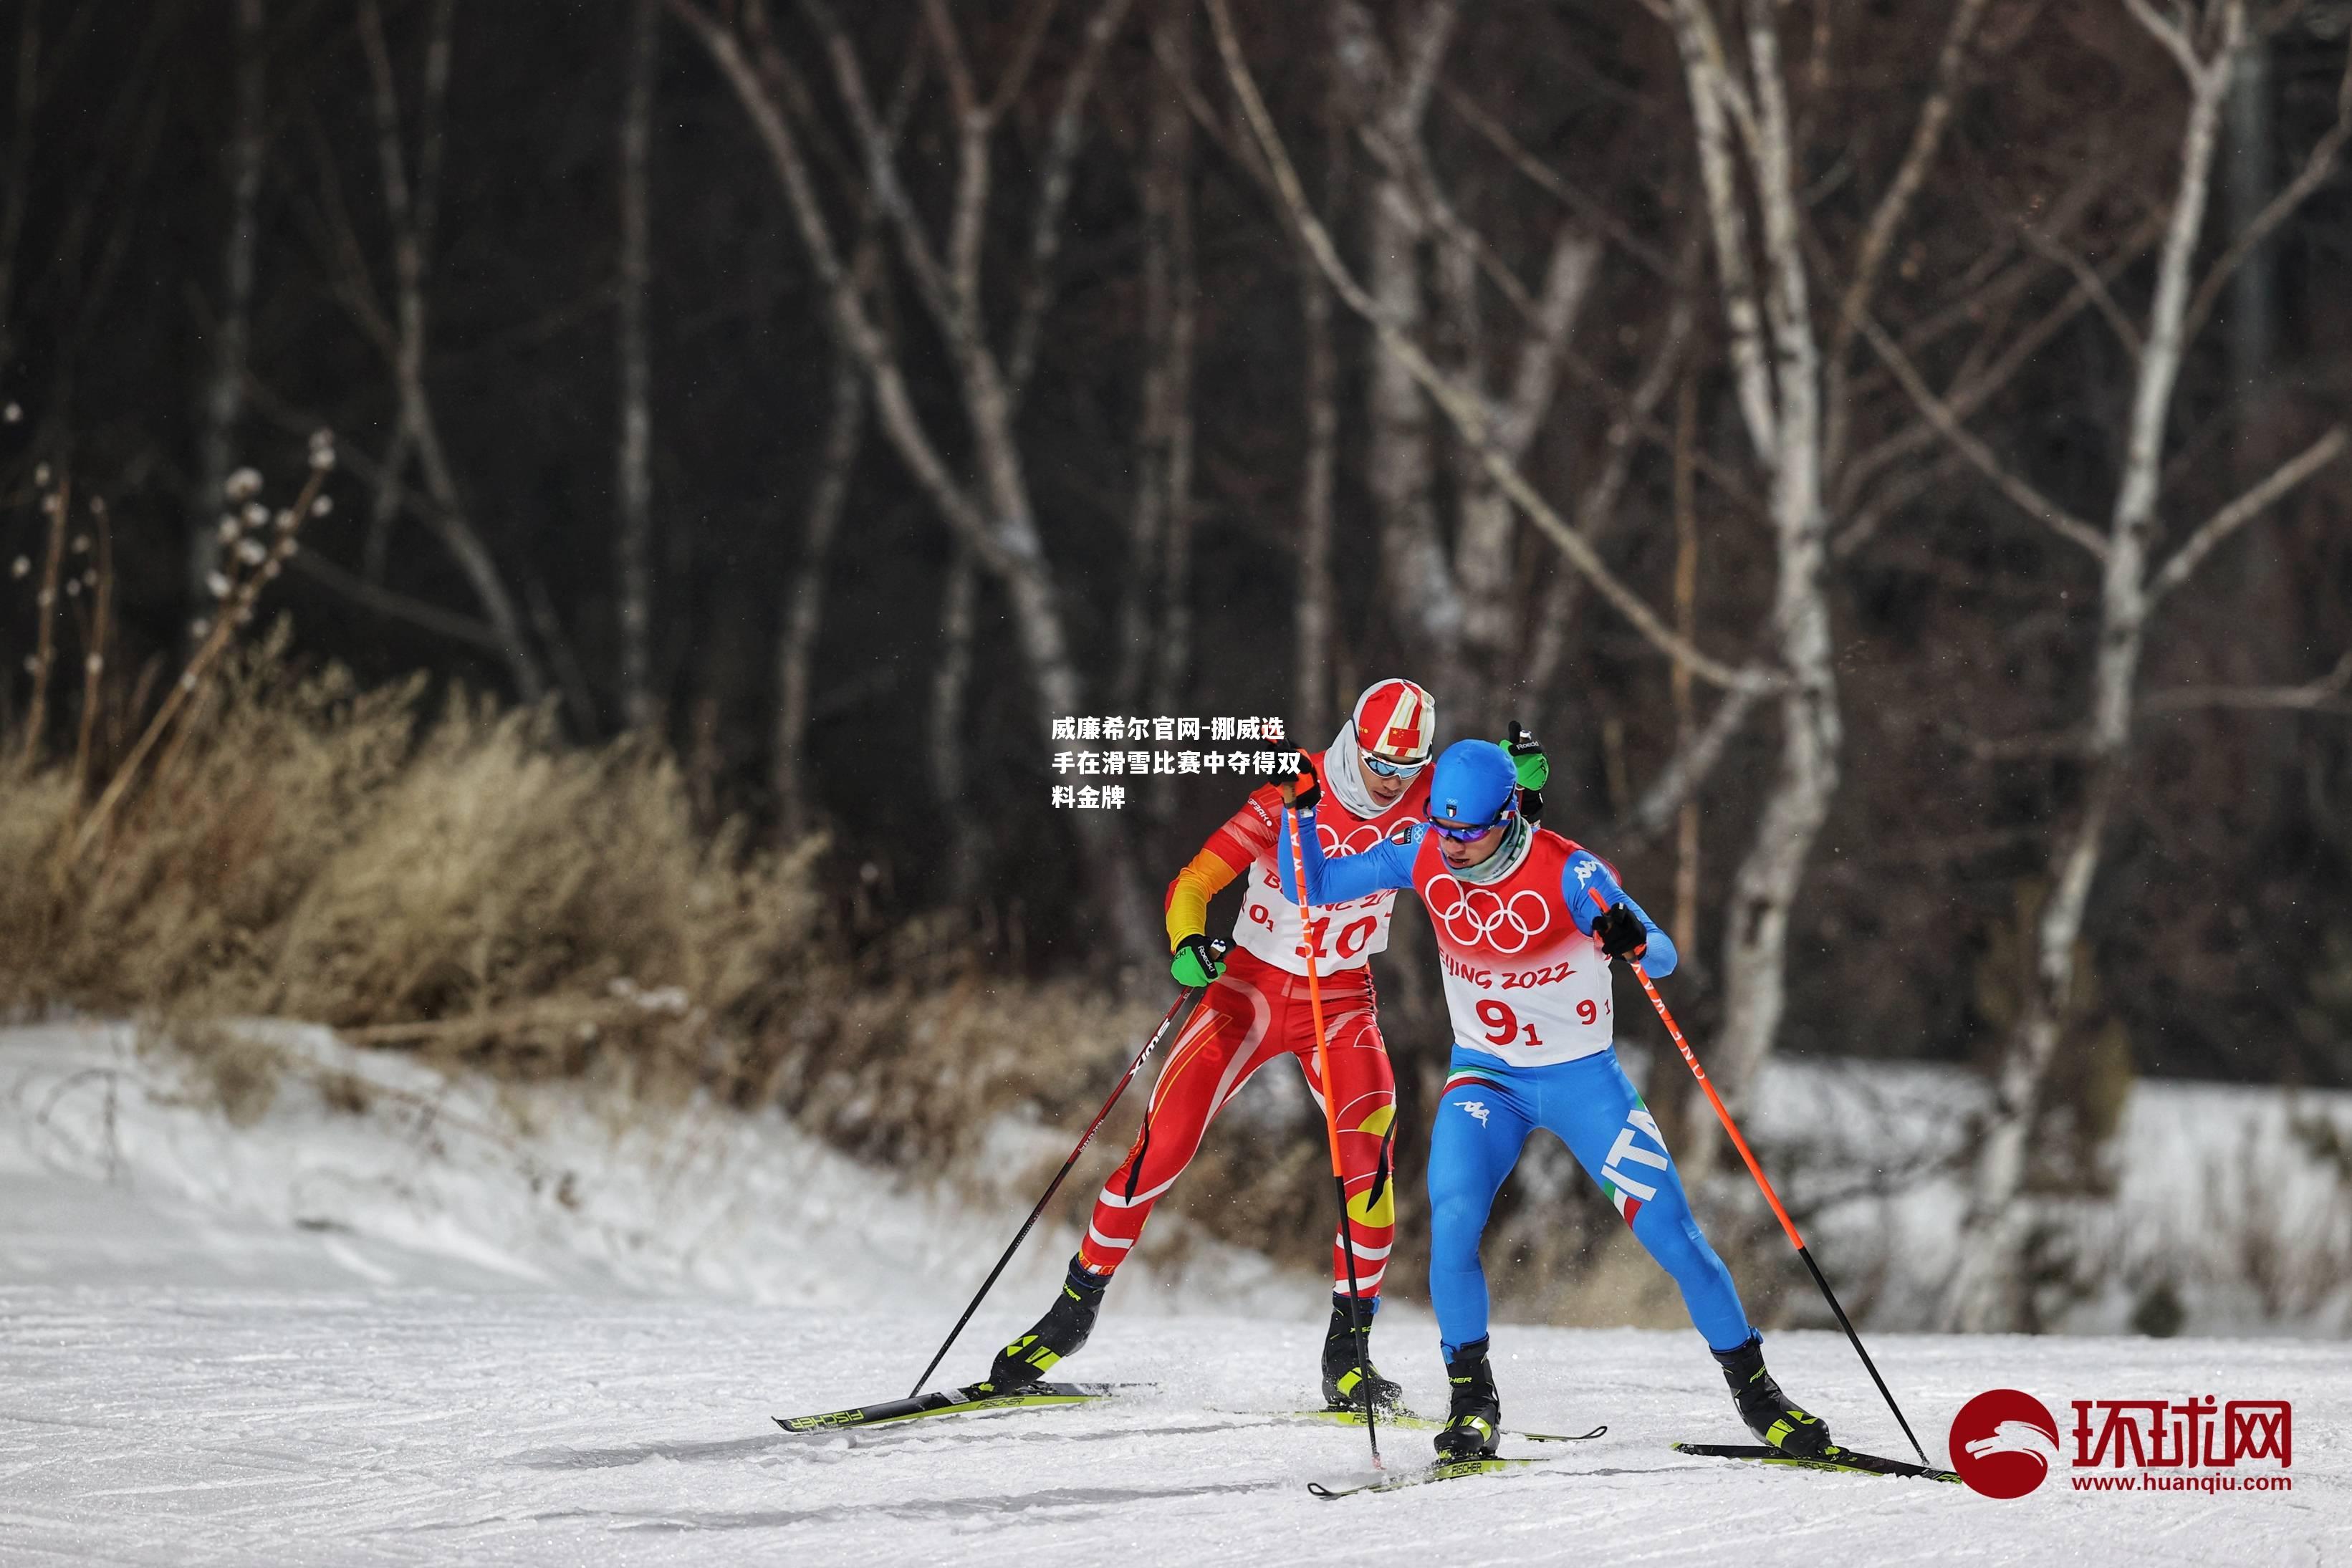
1690 1058
1189 994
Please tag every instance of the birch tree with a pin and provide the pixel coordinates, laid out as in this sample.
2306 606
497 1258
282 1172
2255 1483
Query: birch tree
401 335
2206 42
1776 364
796 812
1471 417
1314 701
633 481
1744 141
992 512
1421 251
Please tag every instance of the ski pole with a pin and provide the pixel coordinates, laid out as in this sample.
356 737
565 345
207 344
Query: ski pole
1331 1131
1189 994
1690 1058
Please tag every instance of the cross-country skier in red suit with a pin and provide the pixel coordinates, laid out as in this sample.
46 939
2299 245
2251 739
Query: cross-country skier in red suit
1255 1011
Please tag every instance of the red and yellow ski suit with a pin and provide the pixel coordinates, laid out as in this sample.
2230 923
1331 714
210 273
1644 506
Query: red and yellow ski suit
1258 1010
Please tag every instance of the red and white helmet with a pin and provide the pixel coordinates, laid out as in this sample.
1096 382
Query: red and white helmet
1396 721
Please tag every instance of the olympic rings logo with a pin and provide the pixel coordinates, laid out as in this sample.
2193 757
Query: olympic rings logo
1474 915
1355 843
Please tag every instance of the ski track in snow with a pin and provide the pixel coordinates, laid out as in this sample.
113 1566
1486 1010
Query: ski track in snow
169 1425
191 1383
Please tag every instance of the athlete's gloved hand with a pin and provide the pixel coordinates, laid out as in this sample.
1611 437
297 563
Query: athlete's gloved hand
1198 961
1527 755
1621 933
1306 792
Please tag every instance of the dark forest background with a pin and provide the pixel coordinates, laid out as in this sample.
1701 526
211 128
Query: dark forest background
229 221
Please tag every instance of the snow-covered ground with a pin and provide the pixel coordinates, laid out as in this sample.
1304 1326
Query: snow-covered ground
461 1326
2235 1200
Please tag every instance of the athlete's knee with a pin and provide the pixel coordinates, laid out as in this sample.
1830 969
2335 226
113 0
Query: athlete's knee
1670 1233
1456 1218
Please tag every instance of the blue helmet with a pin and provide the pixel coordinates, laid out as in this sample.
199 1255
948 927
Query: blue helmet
1475 782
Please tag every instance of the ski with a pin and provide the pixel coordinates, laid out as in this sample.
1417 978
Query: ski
1445 1470
962 1401
1836 1459
1407 1422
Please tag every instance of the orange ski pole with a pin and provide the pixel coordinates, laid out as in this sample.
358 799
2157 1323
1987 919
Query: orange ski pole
1356 1326
1722 1114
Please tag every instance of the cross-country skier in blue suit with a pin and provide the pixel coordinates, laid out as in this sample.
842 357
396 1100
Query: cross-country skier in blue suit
1527 926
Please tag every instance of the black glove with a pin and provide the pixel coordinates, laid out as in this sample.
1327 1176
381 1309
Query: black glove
1306 792
1621 933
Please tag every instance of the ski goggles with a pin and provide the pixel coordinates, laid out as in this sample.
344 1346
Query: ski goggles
1468 835
1388 769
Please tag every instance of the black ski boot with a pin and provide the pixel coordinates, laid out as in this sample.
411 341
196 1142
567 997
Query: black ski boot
1348 1364
1060 1333
1474 1422
1767 1410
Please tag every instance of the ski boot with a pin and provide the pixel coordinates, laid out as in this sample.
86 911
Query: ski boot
1061 1332
1348 1364
1767 1410
1473 1423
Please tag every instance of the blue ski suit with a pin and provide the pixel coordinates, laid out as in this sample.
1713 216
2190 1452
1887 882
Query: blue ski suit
1528 992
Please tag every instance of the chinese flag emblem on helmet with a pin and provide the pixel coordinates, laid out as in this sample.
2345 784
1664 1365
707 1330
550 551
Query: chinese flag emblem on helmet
1397 722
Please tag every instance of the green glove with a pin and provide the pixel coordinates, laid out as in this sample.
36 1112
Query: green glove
1527 756
1196 962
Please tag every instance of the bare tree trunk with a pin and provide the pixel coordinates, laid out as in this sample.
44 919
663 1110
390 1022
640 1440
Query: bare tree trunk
1317 689
1991 1293
1486 536
1313 700
1166 171
1596 508
1412 558
1415 571
14 204
1887 218
1990 1289
1687 842
224 398
1470 420
579 697
949 677
633 482
996 518
804 601
1175 641
1671 1095
1780 400
412 224
2253 294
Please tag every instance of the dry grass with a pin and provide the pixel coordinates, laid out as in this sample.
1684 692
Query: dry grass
453 879
448 878
463 882
239 838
